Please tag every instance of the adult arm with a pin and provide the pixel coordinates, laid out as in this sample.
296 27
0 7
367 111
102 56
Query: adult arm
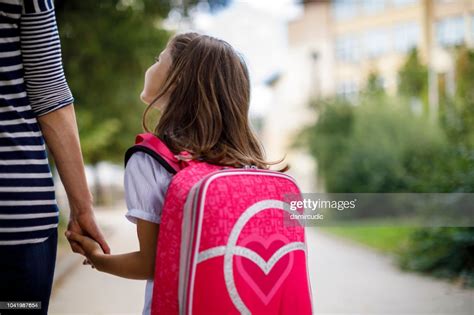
51 100
61 135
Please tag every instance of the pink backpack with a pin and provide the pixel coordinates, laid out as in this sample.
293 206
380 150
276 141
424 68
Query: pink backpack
223 246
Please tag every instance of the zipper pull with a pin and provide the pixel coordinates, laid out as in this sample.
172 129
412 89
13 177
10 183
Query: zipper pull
246 167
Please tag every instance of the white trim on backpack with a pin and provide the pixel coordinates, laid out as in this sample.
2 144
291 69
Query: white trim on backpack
191 255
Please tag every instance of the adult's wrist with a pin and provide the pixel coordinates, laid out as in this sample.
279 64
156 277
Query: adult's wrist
81 205
80 209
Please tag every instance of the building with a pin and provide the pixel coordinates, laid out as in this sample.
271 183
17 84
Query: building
364 36
335 45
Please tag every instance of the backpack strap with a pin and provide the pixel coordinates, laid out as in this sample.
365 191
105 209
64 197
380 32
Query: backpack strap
152 145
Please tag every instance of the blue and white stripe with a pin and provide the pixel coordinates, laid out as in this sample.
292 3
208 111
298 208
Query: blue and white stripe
32 84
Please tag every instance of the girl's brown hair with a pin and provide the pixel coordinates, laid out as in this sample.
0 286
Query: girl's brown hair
209 97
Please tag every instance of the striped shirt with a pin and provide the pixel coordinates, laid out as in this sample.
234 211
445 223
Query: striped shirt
32 84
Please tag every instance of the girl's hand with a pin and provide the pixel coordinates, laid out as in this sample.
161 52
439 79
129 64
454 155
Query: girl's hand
90 247
88 262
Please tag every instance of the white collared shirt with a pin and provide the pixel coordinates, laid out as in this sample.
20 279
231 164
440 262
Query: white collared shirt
146 183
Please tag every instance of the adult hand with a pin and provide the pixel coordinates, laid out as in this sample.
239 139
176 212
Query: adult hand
87 244
84 223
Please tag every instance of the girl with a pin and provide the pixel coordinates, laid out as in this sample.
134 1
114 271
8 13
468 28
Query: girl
201 86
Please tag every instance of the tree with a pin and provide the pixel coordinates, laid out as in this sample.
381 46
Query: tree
459 119
447 251
106 49
381 146
107 45
374 85
413 80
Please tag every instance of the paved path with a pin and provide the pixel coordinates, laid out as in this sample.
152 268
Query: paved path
83 290
351 279
346 279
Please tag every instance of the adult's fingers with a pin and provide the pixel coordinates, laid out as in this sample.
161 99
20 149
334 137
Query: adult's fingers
104 245
90 228
98 236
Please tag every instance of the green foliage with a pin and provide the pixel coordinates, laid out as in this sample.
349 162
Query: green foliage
387 239
334 125
458 118
379 145
376 146
448 252
413 77
443 252
106 50
107 46
374 85
465 75
413 81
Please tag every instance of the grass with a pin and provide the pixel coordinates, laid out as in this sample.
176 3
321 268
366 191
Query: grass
385 236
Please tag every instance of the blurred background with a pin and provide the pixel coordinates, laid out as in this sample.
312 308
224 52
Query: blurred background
361 96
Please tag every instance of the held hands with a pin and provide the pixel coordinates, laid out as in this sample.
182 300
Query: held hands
89 247
82 226
83 223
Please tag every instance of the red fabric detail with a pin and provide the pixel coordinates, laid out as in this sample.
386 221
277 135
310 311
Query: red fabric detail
177 162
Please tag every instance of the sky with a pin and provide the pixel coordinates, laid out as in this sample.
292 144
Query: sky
258 30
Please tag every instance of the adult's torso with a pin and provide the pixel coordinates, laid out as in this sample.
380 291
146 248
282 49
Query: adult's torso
28 210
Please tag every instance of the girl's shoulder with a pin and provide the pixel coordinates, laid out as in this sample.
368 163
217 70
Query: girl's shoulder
144 165
145 183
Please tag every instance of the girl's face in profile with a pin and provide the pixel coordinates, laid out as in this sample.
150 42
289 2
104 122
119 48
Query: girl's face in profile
155 76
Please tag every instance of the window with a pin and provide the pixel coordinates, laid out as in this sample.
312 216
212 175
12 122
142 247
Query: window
347 90
373 6
445 1
406 36
402 3
348 49
344 9
382 82
376 43
472 28
450 31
